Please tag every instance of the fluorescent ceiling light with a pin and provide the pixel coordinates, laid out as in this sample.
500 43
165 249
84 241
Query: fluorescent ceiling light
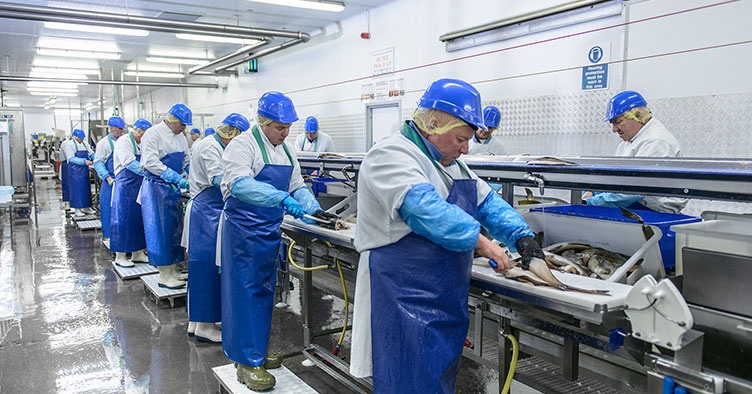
53 85
84 45
77 53
58 94
229 40
53 70
311 5
79 64
96 29
176 60
52 91
153 74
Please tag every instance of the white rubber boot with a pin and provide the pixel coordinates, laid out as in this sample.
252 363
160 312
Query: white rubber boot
166 279
122 260
140 256
178 275
79 212
208 332
191 328
87 211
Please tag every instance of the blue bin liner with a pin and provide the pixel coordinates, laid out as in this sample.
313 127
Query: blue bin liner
662 220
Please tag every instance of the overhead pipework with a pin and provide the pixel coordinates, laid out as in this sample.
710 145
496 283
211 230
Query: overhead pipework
66 15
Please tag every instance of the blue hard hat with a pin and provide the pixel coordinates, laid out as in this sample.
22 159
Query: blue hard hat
182 113
116 121
454 97
79 133
623 102
277 107
237 121
195 131
209 132
311 124
142 124
491 116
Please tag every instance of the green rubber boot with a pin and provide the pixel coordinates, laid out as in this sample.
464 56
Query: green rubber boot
255 378
273 360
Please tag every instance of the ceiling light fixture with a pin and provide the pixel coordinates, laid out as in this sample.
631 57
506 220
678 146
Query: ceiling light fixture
153 74
176 60
66 43
52 85
60 70
58 94
76 53
228 40
319 5
78 64
96 29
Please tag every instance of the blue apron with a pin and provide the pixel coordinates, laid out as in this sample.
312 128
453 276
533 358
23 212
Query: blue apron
203 274
250 248
65 180
80 190
162 213
105 193
126 220
419 311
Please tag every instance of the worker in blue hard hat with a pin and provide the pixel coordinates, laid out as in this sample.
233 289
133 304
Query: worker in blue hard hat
420 210
262 182
642 136
105 167
164 157
127 224
314 140
209 131
195 135
483 141
200 229
79 156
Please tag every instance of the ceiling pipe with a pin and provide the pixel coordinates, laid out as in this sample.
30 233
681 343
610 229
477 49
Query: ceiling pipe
102 82
263 52
66 15
239 52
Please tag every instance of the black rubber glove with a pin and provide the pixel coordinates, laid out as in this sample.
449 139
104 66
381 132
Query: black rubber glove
322 214
528 248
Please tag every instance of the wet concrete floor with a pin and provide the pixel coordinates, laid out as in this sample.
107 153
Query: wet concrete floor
69 324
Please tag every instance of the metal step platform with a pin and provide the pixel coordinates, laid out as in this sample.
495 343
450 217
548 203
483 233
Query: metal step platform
287 382
89 224
160 293
88 217
137 271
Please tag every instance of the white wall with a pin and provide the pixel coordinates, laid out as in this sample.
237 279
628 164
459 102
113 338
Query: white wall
545 113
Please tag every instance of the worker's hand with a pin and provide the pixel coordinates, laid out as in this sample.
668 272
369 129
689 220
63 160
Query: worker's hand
293 207
492 251
587 195
528 248
322 214
110 180
88 162
183 184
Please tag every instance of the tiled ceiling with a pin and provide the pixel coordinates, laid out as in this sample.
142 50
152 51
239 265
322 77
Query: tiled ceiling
19 39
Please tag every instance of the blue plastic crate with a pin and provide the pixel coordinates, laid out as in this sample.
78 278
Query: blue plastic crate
662 220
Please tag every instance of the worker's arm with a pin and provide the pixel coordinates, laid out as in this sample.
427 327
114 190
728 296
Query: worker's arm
135 167
613 200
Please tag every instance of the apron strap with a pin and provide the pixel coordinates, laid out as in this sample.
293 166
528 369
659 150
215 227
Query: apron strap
133 142
216 137
112 147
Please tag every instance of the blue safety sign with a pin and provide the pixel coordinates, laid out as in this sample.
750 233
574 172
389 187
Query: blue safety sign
596 54
595 77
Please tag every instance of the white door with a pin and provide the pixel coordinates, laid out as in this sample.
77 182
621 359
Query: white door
382 120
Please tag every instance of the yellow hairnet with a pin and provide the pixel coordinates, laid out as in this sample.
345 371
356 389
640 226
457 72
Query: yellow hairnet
433 121
639 114
170 118
226 131
263 121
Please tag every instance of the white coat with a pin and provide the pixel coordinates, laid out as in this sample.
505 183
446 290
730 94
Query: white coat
63 155
401 165
104 150
69 150
491 146
322 143
206 163
159 141
654 140
124 152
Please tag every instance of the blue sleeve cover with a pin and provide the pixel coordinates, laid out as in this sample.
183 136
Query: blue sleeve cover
502 221
495 187
91 156
613 200
101 170
171 176
217 181
79 161
254 192
306 199
442 223
135 167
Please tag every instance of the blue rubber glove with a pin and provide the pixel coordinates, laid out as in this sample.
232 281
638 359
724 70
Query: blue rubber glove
135 167
101 170
613 200
79 161
502 221
308 201
443 223
258 193
183 184
293 207
91 156
170 176
217 181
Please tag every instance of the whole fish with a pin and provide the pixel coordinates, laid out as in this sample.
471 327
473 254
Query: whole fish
601 267
541 270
